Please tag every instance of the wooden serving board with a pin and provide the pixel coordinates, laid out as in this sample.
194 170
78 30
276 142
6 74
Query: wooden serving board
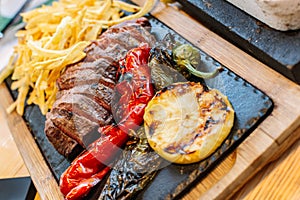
275 134
251 106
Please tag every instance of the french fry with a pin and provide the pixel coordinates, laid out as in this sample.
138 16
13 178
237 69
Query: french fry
127 7
8 69
54 37
23 91
11 107
145 9
18 84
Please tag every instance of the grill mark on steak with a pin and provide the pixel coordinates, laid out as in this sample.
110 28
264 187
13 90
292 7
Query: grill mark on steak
89 72
115 40
61 142
82 105
85 89
131 36
83 77
107 47
102 64
98 92
77 127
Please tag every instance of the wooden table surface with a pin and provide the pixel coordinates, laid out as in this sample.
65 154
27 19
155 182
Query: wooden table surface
279 179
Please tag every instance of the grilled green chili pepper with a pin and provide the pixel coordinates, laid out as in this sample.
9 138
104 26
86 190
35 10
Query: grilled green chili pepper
186 56
172 62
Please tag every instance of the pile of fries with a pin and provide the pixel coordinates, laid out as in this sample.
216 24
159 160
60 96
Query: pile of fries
54 37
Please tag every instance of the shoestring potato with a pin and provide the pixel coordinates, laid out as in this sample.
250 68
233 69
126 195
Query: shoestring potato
55 37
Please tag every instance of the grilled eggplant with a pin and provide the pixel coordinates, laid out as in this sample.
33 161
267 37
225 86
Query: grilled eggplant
185 122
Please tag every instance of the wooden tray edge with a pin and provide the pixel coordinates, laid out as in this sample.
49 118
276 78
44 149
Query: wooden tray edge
40 173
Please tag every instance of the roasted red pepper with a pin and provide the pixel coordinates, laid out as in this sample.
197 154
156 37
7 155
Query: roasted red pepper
136 90
92 165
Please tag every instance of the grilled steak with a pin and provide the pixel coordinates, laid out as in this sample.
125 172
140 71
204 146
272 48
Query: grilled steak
65 144
83 102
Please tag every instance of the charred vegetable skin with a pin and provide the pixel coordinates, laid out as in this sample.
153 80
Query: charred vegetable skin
136 167
91 166
185 122
134 89
172 62
163 71
187 57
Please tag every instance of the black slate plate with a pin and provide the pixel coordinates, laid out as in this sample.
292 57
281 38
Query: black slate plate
250 104
279 50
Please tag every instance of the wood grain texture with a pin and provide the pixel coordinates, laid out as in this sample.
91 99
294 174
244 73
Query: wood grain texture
40 173
278 180
212 178
278 132
14 165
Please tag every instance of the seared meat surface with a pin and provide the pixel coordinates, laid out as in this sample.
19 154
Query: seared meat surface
83 102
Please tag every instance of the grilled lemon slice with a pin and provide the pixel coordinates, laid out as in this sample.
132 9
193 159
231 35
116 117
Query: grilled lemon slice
185 122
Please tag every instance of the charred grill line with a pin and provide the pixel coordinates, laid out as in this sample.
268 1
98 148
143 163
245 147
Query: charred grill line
62 142
95 92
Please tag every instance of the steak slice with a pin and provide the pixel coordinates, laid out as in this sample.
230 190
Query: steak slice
75 126
89 72
104 65
61 142
117 40
85 89
83 105
100 93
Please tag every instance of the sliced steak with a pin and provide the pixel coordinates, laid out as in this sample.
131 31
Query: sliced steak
77 127
100 93
80 104
61 142
85 89
87 73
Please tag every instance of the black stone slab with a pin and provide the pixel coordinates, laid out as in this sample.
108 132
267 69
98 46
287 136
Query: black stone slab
278 49
251 107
